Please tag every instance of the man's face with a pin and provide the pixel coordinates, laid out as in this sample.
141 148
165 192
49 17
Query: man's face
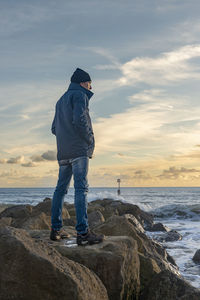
86 85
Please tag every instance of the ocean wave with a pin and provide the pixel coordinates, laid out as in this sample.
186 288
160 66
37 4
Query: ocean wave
177 210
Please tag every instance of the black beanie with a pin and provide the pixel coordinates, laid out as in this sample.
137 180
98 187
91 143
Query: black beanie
80 76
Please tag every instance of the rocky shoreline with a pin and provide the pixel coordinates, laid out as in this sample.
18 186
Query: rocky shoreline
127 265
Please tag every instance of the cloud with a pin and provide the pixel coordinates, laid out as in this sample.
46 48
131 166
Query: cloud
28 149
15 160
23 17
5 174
3 161
11 174
49 155
186 31
168 68
175 173
37 158
154 121
28 164
141 175
120 154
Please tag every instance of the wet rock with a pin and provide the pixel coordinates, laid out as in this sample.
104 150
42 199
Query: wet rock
153 257
121 225
134 221
115 261
32 269
148 268
112 207
159 227
166 285
170 236
95 218
196 257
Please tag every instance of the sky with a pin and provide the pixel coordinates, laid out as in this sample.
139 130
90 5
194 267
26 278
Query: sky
144 60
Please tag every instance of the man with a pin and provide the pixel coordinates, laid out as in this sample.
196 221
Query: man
75 145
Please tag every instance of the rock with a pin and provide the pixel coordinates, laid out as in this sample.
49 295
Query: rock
170 236
17 211
93 206
196 257
159 227
6 221
148 268
39 221
104 207
47 199
4 206
32 217
32 269
143 217
150 251
109 211
44 235
45 207
115 261
121 225
95 218
112 207
167 285
134 221
69 222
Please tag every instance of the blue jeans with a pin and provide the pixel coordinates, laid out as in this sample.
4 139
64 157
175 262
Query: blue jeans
79 168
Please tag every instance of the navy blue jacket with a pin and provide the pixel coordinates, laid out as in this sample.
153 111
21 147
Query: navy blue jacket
72 124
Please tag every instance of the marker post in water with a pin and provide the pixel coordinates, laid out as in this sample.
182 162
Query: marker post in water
118 191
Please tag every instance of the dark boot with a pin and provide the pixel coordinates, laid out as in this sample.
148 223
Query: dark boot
89 238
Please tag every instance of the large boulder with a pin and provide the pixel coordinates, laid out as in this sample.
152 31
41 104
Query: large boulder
115 261
32 217
196 257
115 207
3 206
35 221
170 236
95 218
159 227
148 268
153 257
45 207
17 211
32 269
168 286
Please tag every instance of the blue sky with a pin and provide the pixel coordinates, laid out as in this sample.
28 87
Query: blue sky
143 58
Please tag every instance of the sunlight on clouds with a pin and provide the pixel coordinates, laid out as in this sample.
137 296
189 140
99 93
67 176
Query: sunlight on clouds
16 160
28 149
25 117
170 67
157 121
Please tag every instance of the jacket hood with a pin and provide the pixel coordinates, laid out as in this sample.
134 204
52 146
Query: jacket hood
76 86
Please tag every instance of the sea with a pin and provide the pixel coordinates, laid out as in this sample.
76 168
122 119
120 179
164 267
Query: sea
176 207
